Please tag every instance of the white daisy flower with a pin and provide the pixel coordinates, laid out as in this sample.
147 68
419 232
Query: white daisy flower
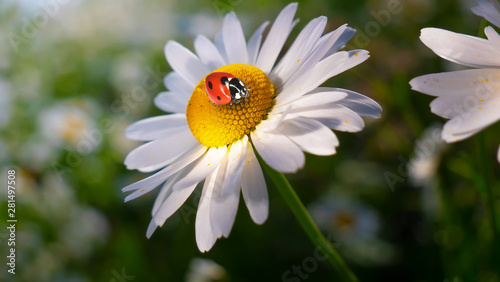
469 98
284 115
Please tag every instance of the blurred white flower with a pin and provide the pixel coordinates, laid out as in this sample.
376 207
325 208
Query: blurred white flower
69 124
345 218
354 227
128 70
205 270
425 160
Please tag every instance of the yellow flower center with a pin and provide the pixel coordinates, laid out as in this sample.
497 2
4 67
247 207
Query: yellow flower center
218 125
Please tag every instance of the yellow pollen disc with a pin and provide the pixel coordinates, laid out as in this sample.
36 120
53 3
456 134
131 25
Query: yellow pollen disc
218 125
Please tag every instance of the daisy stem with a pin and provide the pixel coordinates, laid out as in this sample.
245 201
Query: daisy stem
312 231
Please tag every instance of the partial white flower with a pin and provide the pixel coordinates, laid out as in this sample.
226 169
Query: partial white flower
469 98
488 10
205 270
285 115
427 154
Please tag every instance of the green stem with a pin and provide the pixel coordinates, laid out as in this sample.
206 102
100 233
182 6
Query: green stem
307 223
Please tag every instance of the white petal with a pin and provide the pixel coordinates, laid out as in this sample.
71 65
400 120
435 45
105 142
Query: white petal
457 82
225 197
156 179
177 85
161 151
208 53
488 11
334 116
253 187
219 43
205 237
274 119
170 103
203 168
345 34
184 187
223 206
460 48
310 135
325 69
278 151
173 202
276 38
185 63
318 96
476 117
234 40
450 136
177 172
223 213
452 105
254 43
493 37
165 191
151 228
299 51
328 42
236 161
156 127
359 103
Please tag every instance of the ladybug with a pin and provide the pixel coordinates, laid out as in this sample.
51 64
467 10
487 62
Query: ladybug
224 88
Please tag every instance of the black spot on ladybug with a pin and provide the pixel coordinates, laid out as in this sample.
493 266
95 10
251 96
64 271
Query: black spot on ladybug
218 98
224 79
210 85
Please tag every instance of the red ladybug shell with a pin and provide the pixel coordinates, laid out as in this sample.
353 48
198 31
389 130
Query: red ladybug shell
217 91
